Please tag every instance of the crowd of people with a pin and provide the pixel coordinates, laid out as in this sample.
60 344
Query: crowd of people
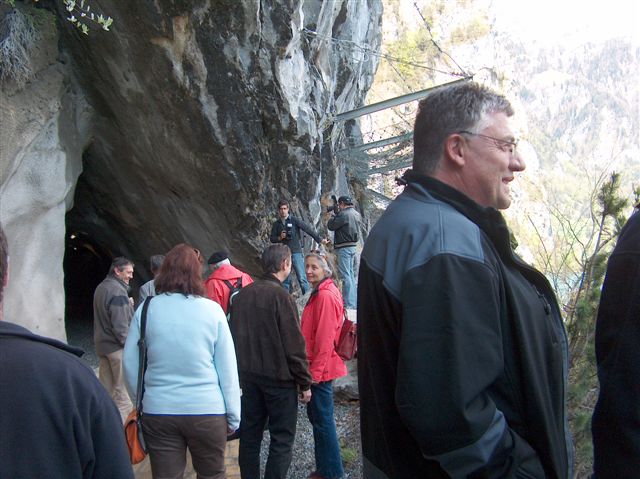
462 351
224 352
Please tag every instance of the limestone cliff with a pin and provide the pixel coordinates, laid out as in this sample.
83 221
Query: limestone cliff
199 116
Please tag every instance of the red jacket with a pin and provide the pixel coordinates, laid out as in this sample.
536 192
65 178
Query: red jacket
321 321
217 289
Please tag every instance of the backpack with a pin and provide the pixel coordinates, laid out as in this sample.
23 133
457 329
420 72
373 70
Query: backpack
347 343
235 289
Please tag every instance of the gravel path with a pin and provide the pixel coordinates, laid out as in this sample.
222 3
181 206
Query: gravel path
347 416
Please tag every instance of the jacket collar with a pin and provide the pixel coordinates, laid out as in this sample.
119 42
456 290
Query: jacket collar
322 285
118 280
489 220
270 277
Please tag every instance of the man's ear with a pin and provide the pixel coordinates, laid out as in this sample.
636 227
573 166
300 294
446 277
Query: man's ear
454 149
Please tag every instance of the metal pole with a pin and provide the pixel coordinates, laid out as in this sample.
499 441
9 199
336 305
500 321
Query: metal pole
399 100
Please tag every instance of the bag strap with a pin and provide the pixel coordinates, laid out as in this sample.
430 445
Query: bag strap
142 355
231 286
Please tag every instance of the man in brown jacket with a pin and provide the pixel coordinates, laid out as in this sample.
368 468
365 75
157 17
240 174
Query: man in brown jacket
272 363
112 313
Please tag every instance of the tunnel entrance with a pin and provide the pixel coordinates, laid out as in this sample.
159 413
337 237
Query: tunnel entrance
85 265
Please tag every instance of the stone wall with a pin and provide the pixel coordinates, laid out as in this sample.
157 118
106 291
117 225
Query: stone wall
188 121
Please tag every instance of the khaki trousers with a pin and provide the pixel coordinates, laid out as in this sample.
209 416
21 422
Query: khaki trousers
112 378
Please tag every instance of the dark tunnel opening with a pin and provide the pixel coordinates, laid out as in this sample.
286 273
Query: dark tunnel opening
85 265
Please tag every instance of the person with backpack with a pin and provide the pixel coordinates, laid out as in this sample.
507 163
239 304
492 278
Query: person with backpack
321 323
225 281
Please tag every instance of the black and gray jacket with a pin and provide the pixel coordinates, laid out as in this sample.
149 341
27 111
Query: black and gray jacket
346 225
462 353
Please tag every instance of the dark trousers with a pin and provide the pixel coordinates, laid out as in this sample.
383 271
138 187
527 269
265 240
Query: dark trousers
168 437
280 406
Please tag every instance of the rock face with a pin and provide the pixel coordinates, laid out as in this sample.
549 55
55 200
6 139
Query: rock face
44 128
198 117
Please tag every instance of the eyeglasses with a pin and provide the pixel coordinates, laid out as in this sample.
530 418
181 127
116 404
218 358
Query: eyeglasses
505 145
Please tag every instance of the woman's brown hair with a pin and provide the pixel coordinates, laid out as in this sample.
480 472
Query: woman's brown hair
181 272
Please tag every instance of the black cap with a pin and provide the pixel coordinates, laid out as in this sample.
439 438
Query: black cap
346 200
217 257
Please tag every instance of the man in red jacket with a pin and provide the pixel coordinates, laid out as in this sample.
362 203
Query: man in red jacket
224 279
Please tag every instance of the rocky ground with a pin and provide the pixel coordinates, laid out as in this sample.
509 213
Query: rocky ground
347 414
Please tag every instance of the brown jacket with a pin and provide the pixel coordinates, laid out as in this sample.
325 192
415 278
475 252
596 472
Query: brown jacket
265 327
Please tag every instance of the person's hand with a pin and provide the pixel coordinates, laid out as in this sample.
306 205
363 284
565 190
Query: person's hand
283 235
131 302
325 241
230 430
305 396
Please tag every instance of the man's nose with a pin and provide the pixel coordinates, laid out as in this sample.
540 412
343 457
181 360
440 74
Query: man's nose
517 162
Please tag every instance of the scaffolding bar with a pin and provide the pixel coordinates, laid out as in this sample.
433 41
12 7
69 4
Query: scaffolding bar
379 143
403 162
380 196
399 100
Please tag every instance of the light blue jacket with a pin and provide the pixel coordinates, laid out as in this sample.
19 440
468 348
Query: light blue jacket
191 361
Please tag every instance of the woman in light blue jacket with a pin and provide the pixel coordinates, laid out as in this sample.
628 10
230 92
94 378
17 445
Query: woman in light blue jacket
191 392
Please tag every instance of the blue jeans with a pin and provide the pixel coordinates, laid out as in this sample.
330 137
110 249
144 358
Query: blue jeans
346 266
325 437
297 265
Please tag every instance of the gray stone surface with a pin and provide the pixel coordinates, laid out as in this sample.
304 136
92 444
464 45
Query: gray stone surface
44 127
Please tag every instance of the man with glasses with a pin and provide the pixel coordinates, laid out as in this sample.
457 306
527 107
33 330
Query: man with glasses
462 354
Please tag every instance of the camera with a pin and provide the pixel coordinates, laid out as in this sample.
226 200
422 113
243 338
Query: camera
288 230
333 208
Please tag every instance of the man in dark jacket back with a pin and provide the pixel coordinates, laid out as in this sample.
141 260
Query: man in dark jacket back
616 418
272 363
56 420
346 224
112 313
462 355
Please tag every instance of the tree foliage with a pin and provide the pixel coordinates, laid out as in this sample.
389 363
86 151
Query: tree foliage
608 218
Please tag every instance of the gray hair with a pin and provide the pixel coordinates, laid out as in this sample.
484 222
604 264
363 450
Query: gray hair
451 110
217 265
121 263
155 262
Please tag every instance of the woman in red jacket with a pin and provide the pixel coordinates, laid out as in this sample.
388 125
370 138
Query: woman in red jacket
321 322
